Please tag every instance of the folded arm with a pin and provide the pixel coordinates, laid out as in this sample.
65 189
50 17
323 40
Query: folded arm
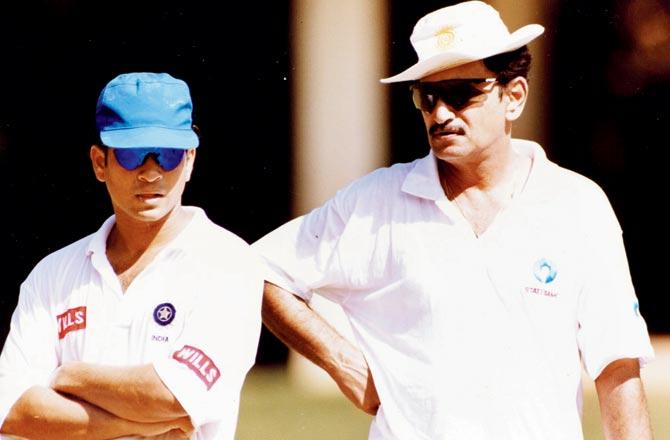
302 329
46 414
623 405
134 393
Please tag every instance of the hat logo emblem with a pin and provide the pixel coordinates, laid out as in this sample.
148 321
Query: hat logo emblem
445 37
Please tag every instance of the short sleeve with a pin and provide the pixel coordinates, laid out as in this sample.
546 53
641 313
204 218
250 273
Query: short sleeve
218 346
29 356
611 325
301 255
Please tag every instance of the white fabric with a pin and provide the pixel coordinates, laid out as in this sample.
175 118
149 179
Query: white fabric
212 279
470 338
458 34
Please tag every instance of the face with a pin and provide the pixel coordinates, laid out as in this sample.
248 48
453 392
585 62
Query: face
467 132
145 194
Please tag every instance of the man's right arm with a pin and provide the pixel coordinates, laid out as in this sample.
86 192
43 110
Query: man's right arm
43 413
302 329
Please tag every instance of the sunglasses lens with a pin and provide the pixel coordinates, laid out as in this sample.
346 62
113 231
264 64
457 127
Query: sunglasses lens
170 158
423 99
456 93
132 158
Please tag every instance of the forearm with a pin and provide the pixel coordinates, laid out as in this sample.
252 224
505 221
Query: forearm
133 393
45 414
623 405
302 329
305 331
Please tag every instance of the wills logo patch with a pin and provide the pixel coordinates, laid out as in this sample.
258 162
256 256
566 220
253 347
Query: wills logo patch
71 320
199 363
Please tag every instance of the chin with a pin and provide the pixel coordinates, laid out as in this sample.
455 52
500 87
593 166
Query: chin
448 152
151 215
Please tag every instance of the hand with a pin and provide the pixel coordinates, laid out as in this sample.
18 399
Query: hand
355 380
177 428
185 427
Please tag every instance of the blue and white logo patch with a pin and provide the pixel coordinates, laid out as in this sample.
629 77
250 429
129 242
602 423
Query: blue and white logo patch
636 308
164 313
544 271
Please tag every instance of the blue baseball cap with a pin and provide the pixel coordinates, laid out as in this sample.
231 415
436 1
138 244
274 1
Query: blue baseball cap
138 110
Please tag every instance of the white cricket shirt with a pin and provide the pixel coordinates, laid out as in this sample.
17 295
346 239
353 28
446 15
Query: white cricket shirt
470 338
194 313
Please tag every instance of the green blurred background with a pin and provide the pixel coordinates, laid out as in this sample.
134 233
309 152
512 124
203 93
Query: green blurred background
274 409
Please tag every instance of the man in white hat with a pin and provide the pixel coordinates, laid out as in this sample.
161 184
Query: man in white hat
477 279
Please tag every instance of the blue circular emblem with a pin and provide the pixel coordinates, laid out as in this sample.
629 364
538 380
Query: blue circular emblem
544 270
164 313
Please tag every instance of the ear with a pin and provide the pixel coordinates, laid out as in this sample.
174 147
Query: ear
99 162
190 160
517 93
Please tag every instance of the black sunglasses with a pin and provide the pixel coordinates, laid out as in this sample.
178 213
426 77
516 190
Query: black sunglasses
456 93
132 158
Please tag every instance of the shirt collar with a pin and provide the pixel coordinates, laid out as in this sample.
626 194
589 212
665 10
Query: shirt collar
423 179
98 242
540 169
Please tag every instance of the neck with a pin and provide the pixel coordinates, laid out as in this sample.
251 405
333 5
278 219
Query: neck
490 171
134 237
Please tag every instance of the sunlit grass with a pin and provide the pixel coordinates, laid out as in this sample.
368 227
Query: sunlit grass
272 409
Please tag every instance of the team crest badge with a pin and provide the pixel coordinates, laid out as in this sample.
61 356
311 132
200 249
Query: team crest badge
164 314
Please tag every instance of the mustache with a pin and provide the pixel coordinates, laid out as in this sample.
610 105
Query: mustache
445 129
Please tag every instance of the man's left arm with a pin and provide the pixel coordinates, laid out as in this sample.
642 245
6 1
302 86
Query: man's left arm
132 392
623 405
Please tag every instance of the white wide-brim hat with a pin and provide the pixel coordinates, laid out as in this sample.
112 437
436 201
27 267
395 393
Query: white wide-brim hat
460 34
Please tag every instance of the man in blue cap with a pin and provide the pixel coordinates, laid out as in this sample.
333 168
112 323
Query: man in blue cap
148 326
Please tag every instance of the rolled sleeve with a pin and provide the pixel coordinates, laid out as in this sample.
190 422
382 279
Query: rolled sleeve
206 370
611 326
301 256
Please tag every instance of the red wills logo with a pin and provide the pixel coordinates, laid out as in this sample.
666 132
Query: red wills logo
71 320
200 363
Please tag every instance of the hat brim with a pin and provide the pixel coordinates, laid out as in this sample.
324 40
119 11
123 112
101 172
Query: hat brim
154 137
447 60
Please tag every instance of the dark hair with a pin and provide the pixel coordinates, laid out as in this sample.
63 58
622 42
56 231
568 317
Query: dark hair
509 65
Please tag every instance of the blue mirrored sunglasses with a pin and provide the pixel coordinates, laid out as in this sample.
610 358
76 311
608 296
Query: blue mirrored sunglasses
133 158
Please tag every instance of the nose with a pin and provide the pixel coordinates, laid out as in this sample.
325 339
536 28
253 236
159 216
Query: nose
442 112
150 171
